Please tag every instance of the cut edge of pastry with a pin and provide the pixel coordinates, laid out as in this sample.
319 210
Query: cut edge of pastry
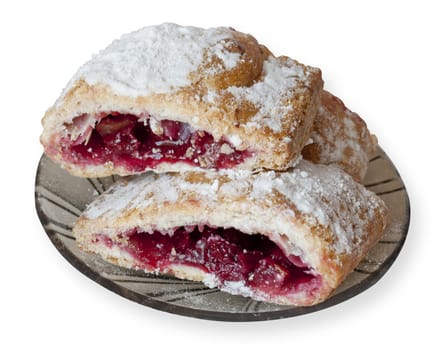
321 255
256 108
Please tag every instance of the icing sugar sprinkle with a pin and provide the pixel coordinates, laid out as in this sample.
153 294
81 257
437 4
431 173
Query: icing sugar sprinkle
324 195
156 58
345 142
268 94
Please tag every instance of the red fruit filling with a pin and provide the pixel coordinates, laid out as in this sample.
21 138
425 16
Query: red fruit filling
228 254
136 144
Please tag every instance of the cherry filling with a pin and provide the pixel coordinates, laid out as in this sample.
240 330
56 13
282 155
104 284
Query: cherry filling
138 144
228 254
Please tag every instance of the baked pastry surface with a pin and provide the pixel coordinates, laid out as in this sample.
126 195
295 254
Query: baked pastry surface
340 137
213 91
309 228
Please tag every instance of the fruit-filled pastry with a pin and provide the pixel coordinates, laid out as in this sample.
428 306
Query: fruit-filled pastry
340 137
172 98
282 237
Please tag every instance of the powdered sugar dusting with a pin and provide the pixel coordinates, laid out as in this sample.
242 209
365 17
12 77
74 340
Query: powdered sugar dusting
237 288
335 142
210 280
325 195
341 137
330 197
156 59
204 189
138 192
229 59
279 78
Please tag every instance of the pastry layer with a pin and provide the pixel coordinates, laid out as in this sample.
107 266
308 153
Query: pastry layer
221 82
317 214
340 137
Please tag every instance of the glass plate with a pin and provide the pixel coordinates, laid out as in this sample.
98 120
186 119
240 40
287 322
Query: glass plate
60 198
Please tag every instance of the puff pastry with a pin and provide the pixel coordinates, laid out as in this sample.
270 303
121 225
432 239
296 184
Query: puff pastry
172 98
340 137
282 237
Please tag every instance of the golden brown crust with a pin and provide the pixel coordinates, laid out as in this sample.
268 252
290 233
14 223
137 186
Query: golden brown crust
258 101
245 73
313 211
340 137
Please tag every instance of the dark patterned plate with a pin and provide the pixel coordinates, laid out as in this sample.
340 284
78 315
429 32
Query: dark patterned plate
60 198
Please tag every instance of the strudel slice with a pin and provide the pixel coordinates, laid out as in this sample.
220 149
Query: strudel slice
281 237
340 137
172 98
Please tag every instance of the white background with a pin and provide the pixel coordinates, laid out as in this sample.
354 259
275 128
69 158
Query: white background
382 58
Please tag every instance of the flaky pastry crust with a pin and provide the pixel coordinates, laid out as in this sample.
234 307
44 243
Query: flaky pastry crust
221 81
340 137
316 212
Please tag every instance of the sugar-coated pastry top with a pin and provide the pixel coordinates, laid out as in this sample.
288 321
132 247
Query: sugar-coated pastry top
227 67
159 59
340 137
315 212
323 196
216 79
